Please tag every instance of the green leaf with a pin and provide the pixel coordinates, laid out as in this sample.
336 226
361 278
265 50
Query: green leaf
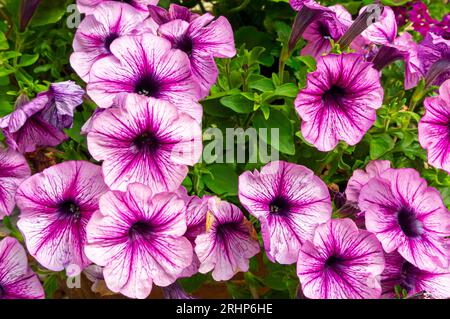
51 285
224 180
238 103
309 61
193 283
49 12
28 59
4 45
380 144
277 120
263 85
287 90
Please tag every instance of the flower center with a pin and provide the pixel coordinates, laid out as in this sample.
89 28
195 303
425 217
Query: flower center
139 228
279 206
2 291
146 142
147 86
126 1
109 39
332 261
70 209
323 31
333 94
185 44
407 278
409 223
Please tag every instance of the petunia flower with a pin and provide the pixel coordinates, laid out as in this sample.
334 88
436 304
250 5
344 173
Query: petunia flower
402 48
340 101
434 128
145 65
202 39
145 141
341 262
196 212
14 170
27 10
326 28
138 237
55 206
17 280
61 100
289 201
420 17
407 216
384 31
176 291
308 11
92 41
175 12
361 177
228 243
434 55
399 272
25 129
88 6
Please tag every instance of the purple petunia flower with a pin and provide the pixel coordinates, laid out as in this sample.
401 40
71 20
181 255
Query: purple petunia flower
228 243
341 262
355 184
340 100
361 177
14 170
88 6
175 12
145 141
137 236
17 280
384 30
175 291
61 100
289 201
55 206
420 17
27 10
434 55
196 212
399 272
203 39
434 128
96 32
25 129
145 65
326 28
407 216
308 11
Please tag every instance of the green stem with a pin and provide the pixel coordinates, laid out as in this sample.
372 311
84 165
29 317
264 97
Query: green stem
241 7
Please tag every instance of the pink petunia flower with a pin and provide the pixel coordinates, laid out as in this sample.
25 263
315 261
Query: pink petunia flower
399 272
138 237
340 100
341 262
14 170
196 212
175 12
407 216
89 6
434 55
326 28
17 280
145 65
202 39
434 128
145 141
384 31
289 201
41 121
55 206
228 243
109 21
